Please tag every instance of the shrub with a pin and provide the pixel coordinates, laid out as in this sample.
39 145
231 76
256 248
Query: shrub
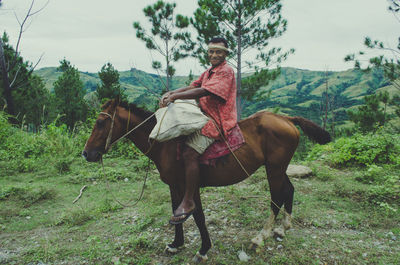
26 195
387 191
23 151
372 148
74 217
125 149
373 174
63 164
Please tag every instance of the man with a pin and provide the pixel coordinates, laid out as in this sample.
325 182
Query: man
216 93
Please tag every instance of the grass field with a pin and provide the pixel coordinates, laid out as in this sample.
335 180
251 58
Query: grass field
334 220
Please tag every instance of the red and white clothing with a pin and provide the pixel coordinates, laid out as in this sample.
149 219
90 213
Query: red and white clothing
221 104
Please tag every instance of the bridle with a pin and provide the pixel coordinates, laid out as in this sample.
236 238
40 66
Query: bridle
108 141
108 145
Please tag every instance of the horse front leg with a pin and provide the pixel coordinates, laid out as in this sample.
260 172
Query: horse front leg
200 220
176 197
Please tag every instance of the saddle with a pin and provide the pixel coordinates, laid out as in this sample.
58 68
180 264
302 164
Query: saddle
219 148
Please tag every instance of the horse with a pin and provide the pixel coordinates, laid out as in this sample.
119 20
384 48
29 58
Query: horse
270 140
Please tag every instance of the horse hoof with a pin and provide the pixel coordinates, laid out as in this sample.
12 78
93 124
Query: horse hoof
256 242
172 250
253 246
279 232
198 258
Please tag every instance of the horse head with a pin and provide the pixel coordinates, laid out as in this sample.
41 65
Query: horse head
106 130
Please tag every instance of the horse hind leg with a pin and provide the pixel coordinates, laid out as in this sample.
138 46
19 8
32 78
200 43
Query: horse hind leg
287 192
276 183
265 233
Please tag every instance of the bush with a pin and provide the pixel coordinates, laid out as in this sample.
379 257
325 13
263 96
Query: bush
26 195
63 164
378 153
74 217
387 190
126 149
373 174
25 151
362 150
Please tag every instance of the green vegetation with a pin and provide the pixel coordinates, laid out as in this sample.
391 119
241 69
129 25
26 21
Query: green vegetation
69 93
347 213
22 92
249 27
110 86
347 89
169 36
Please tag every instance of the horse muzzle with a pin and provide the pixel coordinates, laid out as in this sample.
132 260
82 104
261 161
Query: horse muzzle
92 155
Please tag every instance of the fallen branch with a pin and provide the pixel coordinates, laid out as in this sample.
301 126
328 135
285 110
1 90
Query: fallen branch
80 194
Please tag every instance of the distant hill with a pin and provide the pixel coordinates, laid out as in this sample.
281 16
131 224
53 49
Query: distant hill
295 92
302 92
139 86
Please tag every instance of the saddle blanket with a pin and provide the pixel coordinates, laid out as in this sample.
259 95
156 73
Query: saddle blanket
219 148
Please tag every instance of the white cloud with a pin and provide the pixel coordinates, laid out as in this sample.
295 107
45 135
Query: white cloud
90 33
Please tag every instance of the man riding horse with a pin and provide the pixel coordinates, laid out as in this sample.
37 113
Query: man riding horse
215 91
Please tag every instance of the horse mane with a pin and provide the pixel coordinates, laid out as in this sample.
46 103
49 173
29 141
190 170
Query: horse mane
142 113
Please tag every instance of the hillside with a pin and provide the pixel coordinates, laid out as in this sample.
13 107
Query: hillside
301 92
294 92
136 83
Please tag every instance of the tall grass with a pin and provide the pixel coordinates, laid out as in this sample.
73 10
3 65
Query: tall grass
23 151
377 157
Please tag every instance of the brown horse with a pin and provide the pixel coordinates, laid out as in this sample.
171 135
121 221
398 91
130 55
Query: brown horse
270 140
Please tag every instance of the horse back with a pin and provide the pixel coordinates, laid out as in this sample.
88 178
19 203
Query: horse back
269 138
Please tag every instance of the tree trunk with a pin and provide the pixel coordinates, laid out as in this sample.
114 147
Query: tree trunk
333 116
6 81
167 72
326 101
239 65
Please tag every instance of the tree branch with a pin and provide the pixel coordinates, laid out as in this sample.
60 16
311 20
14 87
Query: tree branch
22 29
80 194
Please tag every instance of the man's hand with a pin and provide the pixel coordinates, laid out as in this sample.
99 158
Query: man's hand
166 99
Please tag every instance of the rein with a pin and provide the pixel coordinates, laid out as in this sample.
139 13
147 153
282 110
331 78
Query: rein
108 146
108 141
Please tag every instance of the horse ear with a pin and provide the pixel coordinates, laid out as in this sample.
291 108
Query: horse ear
115 102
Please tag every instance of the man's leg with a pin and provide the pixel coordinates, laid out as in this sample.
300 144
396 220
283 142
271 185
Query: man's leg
187 206
194 147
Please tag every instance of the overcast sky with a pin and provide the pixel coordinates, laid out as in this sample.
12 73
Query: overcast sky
90 33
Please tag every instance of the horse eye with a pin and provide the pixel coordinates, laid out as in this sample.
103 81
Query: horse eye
100 123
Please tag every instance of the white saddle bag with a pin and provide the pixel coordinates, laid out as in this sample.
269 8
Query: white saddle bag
183 117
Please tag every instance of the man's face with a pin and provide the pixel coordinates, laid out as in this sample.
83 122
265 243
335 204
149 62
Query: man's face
217 56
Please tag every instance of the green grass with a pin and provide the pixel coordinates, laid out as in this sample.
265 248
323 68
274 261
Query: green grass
333 220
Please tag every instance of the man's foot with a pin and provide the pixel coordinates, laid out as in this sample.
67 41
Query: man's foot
180 218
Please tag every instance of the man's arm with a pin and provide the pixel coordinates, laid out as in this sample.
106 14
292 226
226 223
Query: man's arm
184 93
169 93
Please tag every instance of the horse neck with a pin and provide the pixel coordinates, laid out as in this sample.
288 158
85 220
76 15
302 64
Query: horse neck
140 138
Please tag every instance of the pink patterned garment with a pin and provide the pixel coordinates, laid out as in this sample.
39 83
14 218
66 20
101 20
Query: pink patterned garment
219 148
221 105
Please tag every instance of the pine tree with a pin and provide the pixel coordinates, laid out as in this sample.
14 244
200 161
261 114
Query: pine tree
248 25
110 86
12 66
23 89
370 115
69 93
389 60
168 36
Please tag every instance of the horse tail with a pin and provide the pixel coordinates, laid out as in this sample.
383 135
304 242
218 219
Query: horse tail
312 130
